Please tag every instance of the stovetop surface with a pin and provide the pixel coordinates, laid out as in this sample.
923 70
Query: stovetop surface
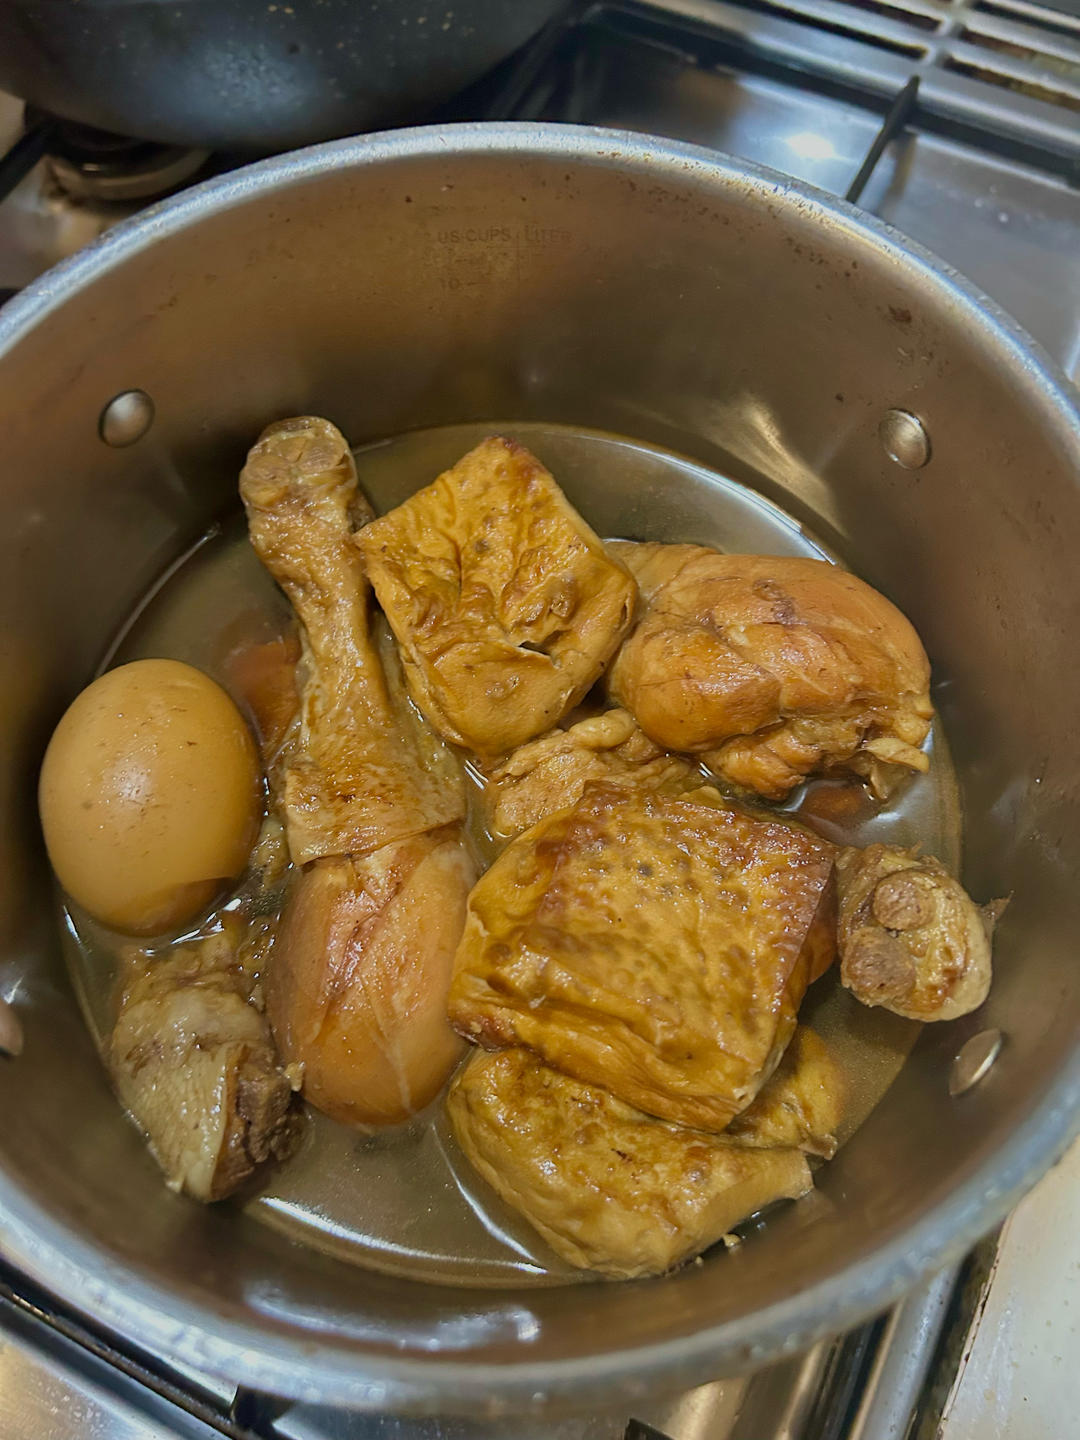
958 121
985 171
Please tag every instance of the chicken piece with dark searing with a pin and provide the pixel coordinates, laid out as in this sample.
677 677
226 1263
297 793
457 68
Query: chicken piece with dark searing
910 937
360 966
658 945
192 1059
360 773
772 668
505 604
551 773
610 1189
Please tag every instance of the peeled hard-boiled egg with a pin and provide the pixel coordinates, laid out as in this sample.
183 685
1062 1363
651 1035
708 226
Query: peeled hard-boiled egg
149 795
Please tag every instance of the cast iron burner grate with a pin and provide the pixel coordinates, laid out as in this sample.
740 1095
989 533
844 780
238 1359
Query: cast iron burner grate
1000 74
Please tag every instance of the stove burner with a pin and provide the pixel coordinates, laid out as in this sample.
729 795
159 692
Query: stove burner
90 164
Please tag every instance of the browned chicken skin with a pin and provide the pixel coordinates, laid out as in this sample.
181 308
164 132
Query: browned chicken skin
771 668
551 773
193 1061
360 774
609 1189
910 937
800 1105
360 967
505 604
656 945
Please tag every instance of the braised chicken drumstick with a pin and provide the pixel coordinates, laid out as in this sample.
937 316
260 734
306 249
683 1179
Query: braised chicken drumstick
360 776
357 985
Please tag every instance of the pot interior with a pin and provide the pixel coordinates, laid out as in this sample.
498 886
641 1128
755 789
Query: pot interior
580 283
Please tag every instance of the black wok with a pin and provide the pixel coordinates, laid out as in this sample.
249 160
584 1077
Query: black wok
253 75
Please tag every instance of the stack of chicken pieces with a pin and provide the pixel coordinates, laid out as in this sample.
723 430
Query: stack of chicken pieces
631 966
633 963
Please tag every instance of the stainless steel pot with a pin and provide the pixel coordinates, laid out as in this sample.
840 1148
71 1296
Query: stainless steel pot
520 272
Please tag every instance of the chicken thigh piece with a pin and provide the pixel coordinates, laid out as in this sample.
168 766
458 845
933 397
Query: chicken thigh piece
192 1059
551 773
656 945
772 668
360 773
801 1103
608 1188
505 604
357 988
910 937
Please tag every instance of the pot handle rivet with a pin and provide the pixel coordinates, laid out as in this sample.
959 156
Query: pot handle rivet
974 1060
126 418
904 439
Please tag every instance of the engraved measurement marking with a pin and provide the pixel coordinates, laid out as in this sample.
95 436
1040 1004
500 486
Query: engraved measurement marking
485 235
470 256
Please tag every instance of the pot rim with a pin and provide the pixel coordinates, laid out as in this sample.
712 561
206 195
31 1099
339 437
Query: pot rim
338 1371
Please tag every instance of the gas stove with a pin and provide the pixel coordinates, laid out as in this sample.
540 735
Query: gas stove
958 121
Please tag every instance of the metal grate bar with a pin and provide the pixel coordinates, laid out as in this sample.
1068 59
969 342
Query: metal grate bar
922 14
54 1320
1016 124
835 17
992 79
736 35
899 114
1048 48
24 155
1017 51
1049 21
976 69
1019 71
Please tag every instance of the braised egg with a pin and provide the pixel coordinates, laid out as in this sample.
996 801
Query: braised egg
149 795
